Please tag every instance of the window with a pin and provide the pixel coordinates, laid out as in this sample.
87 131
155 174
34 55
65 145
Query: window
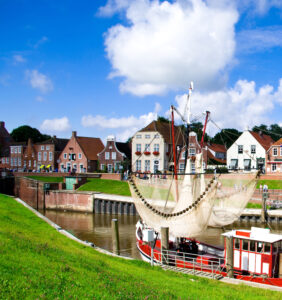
65 155
273 167
11 162
107 155
193 168
156 147
39 156
147 147
252 246
110 147
192 151
240 149
44 156
259 247
42 148
19 162
147 136
156 166
245 245
275 151
3 160
147 165
71 156
102 166
138 136
47 147
110 168
157 136
253 149
81 168
12 149
138 165
114 155
50 156
183 154
29 163
7 160
19 149
34 163
74 167
15 162
247 164
234 164
62 167
266 248
79 155
181 167
138 147
237 244
16 150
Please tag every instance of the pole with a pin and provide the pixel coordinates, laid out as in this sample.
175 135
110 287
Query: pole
204 131
188 107
152 254
263 207
229 256
115 236
164 244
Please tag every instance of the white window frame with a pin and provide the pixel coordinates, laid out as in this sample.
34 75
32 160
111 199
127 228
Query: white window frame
47 147
16 150
147 136
19 149
79 155
157 136
12 149
107 155
138 148
102 166
39 156
147 147
34 163
253 149
156 147
274 168
181 167
7 160
138 165
19 162
65 156
147 165
50 156
138 136
114 155
44 156
29 163
275 151
240 149
110 168
192 151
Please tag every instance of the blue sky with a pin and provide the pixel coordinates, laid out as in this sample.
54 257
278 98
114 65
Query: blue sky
110 67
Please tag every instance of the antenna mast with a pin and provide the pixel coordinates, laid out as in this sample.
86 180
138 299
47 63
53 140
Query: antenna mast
188 111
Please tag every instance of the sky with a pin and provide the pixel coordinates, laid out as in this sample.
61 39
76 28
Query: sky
111 67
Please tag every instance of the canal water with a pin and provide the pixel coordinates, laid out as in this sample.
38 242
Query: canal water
96 228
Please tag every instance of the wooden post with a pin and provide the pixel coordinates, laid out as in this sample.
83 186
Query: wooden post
229 256
115 236
164 244
263 207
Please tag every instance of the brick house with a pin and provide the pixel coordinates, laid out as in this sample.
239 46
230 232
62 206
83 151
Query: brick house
113 155
29 157
80 154
274 158
152 147
48 153
5 142
16 155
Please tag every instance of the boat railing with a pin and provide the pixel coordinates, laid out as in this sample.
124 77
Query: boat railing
196 262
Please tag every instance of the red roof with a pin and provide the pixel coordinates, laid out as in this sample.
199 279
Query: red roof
216 147
265 140
278 143
90 146
211 156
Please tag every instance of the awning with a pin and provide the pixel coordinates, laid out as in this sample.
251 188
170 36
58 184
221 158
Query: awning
42 166
234 163
247 163
48 166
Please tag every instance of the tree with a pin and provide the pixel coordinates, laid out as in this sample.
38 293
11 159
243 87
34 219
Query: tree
226 137
162 119
274 130
23 133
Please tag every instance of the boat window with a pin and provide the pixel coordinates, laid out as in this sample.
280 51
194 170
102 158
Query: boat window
267 248
252 246
245 245
275 247
237 244
259 247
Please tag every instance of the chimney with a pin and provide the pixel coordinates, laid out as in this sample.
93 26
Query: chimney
2 124
73 134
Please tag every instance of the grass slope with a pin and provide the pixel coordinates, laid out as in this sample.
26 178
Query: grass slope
272 184
46 178
38 262
106 186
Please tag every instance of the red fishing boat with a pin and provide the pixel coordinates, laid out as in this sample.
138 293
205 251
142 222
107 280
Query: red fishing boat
256 253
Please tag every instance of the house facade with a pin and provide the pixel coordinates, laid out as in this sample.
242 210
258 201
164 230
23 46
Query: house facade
248 152
80 154
152 147
274 158
17 155
111 158
5 142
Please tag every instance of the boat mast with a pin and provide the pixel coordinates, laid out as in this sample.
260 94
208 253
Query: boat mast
204 131
173 142
188 109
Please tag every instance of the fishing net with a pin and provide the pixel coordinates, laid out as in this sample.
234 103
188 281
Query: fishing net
190 203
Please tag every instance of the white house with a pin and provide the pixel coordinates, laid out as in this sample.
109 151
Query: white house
152 147
249 151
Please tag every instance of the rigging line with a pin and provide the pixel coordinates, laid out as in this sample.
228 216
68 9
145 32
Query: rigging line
269 131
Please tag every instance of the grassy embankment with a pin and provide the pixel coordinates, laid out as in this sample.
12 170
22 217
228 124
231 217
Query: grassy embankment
272 184
38 262
46 178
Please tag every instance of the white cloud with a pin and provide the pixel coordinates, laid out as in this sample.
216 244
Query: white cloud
166 45
41 41
113 6
39 99
259 39
17 58
239 107
258 7
56 125
39 81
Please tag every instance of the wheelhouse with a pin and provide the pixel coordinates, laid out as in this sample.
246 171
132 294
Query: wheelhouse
256 251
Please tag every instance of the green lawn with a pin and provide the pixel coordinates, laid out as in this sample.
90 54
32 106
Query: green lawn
37 262
272 184
106 186
46 178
